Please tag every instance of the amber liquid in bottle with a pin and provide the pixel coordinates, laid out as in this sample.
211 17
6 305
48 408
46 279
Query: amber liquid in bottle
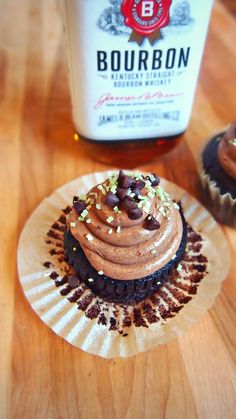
129 154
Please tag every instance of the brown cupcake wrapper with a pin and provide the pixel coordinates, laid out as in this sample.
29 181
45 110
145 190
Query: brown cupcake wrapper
221 206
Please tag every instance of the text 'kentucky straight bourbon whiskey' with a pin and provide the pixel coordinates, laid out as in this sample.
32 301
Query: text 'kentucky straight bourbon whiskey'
133 68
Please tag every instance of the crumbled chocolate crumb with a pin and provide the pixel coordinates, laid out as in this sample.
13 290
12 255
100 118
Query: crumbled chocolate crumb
47 264
65 291
54 275
57 226
85 302
62 281
102 319
194 237
93 312
62 219
77 294
112 324
67 209
51 233
138 318
53 252
199 268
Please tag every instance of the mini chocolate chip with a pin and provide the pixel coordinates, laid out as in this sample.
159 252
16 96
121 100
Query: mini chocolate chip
128 203
151 223
156 180
120 178
111 199
130 182
135 214
125 181
140 184
79 206
121 193
73 281
53 275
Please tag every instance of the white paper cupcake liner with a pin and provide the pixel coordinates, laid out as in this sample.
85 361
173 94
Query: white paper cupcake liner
71 323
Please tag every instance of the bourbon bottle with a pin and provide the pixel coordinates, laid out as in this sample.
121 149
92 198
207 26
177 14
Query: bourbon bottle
133 69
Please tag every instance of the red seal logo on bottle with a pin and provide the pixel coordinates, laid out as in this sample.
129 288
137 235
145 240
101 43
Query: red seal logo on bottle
146 18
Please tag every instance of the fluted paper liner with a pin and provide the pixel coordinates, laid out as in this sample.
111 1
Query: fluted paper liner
67 321
222 206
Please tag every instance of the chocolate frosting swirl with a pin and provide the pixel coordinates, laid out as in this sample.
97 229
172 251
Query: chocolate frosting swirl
123 248
227 151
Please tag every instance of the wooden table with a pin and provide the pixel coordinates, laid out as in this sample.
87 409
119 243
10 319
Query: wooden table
41 376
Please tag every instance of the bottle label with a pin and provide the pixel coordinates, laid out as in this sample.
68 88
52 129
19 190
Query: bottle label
134 65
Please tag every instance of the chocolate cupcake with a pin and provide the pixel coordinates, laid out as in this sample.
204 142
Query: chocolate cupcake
125 237
218 176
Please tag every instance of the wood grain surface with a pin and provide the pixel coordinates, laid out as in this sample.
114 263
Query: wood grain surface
41 376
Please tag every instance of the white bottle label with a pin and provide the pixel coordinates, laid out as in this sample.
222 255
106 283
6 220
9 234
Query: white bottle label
125 85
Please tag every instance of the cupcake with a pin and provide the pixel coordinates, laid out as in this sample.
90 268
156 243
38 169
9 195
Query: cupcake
125 237
218 176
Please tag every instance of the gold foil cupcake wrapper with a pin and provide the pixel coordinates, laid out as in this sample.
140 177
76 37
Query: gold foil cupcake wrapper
64 318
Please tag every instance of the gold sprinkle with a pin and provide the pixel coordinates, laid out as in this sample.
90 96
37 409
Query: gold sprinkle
89 237
72 224
109 219
176 205
76 137
98 206
179 267
90 280
114 189
88 221
100 273
153 251
233 141
118 229
138 176
84 213
74 249
101 188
